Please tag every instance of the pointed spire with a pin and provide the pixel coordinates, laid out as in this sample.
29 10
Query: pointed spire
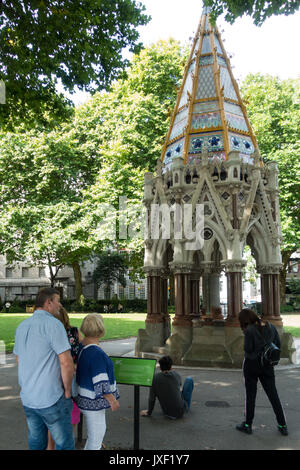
209 111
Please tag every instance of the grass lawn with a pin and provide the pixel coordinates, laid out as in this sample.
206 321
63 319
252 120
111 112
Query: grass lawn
117 325
294 330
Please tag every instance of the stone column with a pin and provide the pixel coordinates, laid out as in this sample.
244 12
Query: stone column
195 297
154 297
234 291
164 305
270 293
154 334
214 288
182 299
207 266
182 330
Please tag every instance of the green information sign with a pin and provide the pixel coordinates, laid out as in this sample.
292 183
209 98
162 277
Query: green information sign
134 371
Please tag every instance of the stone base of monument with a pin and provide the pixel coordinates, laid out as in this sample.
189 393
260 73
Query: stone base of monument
213 346
203 345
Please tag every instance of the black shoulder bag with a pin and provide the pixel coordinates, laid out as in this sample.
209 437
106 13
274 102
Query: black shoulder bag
270 354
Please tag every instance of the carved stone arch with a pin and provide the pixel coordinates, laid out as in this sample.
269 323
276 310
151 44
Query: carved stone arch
195 258
258 240
218 236
159 250
253 245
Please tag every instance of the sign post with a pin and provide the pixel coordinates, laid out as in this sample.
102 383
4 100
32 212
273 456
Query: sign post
137 372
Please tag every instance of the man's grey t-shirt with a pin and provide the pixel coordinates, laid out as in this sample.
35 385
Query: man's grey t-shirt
166 387
38 341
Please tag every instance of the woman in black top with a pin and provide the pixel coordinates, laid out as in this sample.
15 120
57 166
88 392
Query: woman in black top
253 328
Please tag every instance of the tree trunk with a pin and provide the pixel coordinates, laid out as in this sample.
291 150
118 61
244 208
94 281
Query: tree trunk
78 280
52 273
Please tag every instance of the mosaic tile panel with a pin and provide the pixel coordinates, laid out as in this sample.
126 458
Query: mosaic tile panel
217 43
206 85
221 61
206 26
233 108
206 106
205 121
227 83
213 143
179 123
196 47
206 60
236 122
188 86
241 143
206 49
174 150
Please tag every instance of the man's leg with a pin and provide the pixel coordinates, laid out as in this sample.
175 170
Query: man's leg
187 391
58 419
37 430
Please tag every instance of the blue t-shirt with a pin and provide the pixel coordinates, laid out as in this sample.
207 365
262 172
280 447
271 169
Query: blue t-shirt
38 341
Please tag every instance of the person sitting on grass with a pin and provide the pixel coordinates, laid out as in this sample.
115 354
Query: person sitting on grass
166 387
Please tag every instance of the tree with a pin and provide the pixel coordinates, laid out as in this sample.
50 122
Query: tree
79 43
125 129
273 106
111 267
54 183
258 10
42 176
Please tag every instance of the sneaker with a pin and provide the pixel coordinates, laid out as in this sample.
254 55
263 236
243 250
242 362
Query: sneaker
283 430
244 428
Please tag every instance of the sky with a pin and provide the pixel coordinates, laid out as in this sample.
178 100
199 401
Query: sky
271 49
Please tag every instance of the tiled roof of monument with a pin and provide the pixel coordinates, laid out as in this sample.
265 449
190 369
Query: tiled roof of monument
209 111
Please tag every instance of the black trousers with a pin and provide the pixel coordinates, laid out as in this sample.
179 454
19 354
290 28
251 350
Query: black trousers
252 372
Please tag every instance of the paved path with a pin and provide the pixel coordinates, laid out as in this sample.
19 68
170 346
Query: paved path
217 406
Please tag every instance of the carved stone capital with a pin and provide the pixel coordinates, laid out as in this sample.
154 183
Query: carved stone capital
233 266
269 268
180 268
154 271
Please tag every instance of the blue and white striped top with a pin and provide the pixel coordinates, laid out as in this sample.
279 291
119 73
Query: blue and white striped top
95 378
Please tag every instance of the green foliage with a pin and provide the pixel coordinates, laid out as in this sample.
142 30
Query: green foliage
273 107
294 285
286 308
258 10
249 271
111 267
78 43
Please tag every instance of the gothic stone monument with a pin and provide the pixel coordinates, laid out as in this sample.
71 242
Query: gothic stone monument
210 157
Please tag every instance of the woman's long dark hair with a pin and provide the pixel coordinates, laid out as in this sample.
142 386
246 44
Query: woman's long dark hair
249 317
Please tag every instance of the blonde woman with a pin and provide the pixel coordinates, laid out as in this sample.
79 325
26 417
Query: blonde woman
95 378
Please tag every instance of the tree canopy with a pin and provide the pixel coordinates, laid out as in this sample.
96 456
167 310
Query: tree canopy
77 42
54 182
258 10
273 106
